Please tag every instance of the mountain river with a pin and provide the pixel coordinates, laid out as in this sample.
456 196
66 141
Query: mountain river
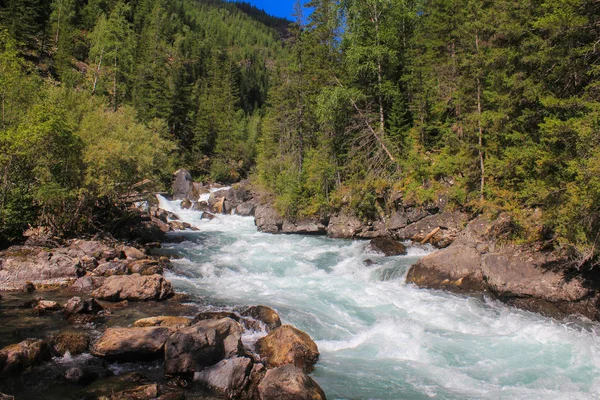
380 338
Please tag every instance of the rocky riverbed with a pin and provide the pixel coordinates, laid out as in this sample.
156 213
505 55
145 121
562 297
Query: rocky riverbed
96 319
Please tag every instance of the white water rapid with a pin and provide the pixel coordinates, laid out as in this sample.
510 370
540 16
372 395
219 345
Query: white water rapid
378 337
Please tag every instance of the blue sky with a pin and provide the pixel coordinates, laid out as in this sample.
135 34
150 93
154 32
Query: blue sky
279 8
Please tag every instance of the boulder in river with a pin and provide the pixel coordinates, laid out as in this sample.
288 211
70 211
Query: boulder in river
267 219
182 184
289 382
132 344
18 357
134 288
388 246
519 275
229 377
344 226
308 226
203 344
288 345
71 341
265 314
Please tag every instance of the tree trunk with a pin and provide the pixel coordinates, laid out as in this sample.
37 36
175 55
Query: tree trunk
379 71
479 112
115 80
97 74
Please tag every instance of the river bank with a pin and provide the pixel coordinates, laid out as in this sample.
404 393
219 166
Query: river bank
96 319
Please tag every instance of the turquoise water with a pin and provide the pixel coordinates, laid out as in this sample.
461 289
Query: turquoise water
378 337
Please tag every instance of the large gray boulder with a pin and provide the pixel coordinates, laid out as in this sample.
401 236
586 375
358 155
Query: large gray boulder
203 344
344 226
288 382
267 219
134 288
519 275
182 184
132 344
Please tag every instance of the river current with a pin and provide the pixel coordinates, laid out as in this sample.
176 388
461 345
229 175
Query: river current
380 338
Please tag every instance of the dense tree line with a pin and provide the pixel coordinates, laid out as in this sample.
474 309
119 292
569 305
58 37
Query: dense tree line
99 95
492 105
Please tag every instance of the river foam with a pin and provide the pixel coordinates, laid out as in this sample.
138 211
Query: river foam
380 338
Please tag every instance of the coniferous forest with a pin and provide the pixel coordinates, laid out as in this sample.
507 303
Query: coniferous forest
493 106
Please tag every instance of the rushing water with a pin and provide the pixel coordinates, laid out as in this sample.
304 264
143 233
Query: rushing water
378 337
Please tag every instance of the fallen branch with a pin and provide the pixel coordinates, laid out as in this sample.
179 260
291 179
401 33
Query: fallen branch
431 234
366 121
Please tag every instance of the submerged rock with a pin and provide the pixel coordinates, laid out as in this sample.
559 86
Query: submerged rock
387 246
72 342
134 288
264 314
203 344
18 357
132 344
288 345
288 382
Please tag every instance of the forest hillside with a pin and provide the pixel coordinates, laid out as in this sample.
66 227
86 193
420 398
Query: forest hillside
492 106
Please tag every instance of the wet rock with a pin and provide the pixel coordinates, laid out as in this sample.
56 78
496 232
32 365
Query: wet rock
519 275
344 226
387 246
267 219
200 206
111 268
186 204
203 344
212 315
288 345
18 357
182 184
45 306
132 344
134 288
145 392
309 226
171 322
246 209
173 217
228 377
264 314
208 216
197 190
368 262
289 383
146 267
72 342
6 397
149 231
